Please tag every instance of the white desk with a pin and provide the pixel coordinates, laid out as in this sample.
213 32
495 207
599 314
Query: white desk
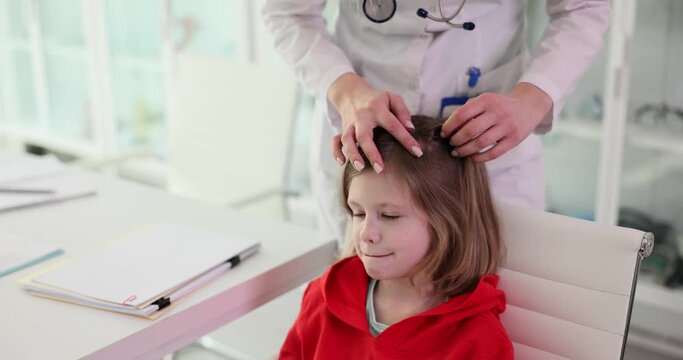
36 328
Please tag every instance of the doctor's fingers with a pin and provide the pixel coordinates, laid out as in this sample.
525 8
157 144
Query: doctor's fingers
400 110
481 143
472 108
499 149
364 138
337 150
348 140
391 124
473 128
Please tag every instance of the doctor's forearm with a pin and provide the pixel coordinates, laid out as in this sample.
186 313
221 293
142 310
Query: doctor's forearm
570 42
302 40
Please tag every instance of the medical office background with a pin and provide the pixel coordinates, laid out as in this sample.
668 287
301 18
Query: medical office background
90 81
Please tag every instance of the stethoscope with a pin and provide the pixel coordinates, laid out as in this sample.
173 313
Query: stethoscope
380 11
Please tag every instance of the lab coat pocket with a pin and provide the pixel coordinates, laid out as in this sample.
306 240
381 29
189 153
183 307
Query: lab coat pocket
505 76
458 88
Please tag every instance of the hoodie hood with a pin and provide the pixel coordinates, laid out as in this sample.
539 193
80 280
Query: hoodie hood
341 291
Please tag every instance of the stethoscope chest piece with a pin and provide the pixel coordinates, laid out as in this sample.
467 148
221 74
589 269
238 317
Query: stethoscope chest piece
379 11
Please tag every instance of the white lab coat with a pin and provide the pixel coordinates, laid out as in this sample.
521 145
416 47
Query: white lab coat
424 61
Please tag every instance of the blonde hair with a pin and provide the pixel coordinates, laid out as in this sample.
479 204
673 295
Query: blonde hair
454 193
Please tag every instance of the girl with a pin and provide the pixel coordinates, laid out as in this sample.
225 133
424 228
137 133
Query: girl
420 282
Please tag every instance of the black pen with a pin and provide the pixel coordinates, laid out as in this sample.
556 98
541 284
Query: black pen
201 280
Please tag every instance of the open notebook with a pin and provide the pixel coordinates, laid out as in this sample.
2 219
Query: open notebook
145 272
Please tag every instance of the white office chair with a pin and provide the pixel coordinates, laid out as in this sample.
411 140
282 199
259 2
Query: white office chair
569 283
229 139
230 129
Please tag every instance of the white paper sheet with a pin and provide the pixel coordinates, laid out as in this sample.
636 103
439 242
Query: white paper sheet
145 263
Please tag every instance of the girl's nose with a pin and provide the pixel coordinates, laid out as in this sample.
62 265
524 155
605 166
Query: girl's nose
370 231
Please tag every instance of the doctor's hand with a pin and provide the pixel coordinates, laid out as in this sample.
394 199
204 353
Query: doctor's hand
501 119
363 108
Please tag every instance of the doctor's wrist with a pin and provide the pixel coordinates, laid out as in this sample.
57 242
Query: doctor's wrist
342 88
537 102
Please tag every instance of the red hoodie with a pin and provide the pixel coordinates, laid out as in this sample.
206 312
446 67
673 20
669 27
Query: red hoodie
333 324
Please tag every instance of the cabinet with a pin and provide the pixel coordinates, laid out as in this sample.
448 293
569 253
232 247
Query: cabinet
614 156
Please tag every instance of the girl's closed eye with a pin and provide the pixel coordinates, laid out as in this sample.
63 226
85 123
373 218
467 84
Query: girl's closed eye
358 214
391 216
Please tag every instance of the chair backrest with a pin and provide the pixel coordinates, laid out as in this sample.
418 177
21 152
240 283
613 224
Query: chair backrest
569 284
229 134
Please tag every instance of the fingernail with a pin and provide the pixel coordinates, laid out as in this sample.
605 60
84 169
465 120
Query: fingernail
377 167
410 125
357 165
416 150
443 134
340 162
454 153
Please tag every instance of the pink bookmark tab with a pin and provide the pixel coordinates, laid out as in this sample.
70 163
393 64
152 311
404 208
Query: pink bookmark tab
130 298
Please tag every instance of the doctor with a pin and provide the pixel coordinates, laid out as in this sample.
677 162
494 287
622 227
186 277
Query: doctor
465 60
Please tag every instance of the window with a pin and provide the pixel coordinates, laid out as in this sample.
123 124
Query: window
91 77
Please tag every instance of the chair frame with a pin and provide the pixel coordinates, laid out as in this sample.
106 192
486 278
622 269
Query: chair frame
646 246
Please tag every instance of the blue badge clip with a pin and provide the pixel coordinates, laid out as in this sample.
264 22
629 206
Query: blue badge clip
474 73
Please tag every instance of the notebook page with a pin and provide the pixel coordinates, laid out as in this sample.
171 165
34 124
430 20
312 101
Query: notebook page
147 262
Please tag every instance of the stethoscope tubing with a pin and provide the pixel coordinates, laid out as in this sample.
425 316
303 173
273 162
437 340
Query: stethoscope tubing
447 19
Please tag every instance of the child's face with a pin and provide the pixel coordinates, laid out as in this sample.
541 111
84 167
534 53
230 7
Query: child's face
390 233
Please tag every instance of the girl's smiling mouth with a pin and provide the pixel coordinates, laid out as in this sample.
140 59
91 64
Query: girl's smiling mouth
377 256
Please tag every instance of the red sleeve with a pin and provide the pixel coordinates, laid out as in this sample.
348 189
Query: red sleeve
485 339
491 347
503 350
293 348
